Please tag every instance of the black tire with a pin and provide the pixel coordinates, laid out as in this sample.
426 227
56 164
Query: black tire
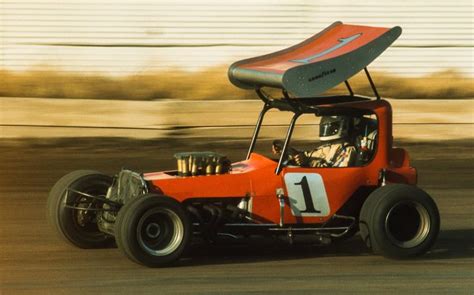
367 210
78 227
399 221
153 230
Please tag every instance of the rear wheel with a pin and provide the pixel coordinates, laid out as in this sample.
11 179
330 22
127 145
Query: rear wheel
79 226
399 221
153 230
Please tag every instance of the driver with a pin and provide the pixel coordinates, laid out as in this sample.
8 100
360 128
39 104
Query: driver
336 150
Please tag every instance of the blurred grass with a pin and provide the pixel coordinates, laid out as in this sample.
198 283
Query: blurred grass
211 84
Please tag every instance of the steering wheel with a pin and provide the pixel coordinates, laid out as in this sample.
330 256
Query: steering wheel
291 153
322 162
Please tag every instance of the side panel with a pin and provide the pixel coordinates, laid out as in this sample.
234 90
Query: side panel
315 194
254 178
400 170
306 194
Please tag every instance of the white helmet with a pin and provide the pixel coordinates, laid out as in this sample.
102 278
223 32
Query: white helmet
333 127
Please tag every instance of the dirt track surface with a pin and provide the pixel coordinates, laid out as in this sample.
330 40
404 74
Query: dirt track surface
33 260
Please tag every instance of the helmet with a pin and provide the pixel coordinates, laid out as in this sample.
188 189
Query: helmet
333 127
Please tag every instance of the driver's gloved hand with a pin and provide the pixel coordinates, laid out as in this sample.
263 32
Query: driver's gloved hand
301 159
277 146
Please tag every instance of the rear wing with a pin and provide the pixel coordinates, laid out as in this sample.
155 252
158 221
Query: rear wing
317 64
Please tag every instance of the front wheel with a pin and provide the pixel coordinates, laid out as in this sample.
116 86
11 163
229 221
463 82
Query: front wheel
153 230
399 221
74 215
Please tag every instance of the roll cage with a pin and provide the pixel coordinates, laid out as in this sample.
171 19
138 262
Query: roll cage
319 106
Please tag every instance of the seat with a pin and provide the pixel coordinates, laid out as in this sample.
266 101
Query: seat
365 140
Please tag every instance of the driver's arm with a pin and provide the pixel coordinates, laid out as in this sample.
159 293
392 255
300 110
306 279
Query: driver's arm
293 155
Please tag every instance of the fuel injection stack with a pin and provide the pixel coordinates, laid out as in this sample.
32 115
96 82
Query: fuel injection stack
201 163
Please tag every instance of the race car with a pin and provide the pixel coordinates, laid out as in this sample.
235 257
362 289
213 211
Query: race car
365 186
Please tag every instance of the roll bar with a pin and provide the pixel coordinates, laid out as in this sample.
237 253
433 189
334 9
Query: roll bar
320 106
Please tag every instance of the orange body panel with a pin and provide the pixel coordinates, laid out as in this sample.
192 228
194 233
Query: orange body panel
326 39
317 64
256 177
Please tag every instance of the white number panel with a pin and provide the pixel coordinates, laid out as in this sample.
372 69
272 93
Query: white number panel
307 194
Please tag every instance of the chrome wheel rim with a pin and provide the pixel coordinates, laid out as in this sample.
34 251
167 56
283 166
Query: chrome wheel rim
407 224
160 231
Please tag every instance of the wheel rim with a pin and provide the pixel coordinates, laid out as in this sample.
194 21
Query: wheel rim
85 221
407 224
160 231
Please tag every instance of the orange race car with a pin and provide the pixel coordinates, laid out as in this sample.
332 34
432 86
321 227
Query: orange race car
356 181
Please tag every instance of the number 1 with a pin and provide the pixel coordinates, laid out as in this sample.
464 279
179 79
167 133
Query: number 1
308 199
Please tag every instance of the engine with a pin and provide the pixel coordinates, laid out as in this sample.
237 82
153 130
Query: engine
201 163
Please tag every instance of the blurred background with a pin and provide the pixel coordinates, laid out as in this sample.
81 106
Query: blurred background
126 37
158 53
181 49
